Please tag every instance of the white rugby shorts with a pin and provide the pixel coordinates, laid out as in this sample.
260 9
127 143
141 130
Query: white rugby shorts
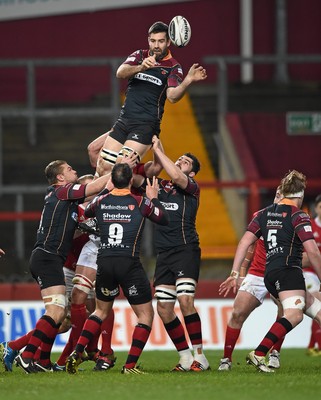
88 255
254 285
312 282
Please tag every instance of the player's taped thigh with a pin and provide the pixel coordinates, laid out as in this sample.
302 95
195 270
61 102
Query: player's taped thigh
314 308
186 287
165 294
81 282
297 302
109 156
127 151
58 300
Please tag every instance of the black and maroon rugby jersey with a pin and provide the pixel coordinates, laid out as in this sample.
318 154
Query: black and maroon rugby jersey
182 206
121 216
59 218
146 91
284 228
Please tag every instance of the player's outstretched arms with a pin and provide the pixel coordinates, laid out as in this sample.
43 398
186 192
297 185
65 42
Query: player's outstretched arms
172 170
196 73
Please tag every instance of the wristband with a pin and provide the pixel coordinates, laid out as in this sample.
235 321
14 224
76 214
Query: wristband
234 274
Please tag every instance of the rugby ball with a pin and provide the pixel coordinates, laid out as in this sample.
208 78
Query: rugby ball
179 31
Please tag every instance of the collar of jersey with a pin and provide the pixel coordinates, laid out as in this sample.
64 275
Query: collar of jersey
287 202
120 192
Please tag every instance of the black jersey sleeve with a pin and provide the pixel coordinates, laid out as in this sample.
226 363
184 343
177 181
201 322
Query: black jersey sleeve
71 192
302 225
90 210
192 187
254 225
154 210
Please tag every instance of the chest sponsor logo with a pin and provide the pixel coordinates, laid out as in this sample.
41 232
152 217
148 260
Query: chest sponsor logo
116 217
274 214
275 251
148 78
170 206
111 207
274 222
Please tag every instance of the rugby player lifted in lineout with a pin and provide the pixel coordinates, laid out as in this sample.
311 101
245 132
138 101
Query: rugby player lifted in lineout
153 76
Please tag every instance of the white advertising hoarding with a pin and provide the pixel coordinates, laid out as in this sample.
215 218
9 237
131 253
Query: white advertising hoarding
17 318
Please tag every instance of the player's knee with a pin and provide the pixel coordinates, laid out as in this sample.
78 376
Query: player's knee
108 157
238 318
58 300
314 308
165 295
293 302
185 287
83 284
293 308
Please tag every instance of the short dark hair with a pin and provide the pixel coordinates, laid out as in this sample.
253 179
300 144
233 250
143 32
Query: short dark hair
53 169
121 175
196 166
158 27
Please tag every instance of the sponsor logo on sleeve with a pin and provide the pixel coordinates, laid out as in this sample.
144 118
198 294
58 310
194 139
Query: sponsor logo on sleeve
74 216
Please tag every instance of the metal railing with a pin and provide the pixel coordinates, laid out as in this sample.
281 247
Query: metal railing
32 112
222 62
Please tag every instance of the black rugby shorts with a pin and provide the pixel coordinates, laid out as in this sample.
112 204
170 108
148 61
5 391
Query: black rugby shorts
284 278
47 269
138 131
126 272
179 262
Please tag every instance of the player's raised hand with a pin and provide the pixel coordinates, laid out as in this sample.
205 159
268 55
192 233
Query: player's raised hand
152 188
130 159
197 73
109 185
149 62
156 142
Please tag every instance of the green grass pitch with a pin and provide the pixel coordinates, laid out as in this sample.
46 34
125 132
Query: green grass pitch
298 378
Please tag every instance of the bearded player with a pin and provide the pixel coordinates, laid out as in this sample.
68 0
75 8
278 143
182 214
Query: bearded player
153 76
